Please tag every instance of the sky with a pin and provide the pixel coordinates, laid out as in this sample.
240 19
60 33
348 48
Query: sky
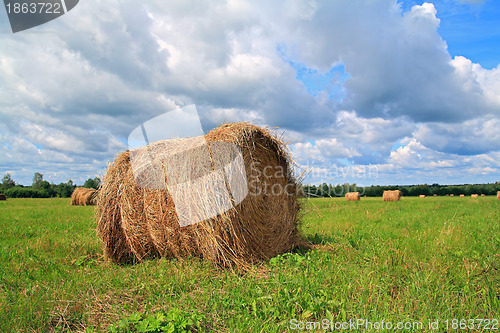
367 92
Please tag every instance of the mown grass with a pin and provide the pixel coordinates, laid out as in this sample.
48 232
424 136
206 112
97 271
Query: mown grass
413 260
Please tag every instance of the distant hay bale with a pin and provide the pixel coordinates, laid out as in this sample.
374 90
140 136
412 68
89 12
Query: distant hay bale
137 222
84 196
75 196
3 197
452 195
392 195
435 195
91 198
498 195
483 195
447 195
422 195
462 195
474 195
352 196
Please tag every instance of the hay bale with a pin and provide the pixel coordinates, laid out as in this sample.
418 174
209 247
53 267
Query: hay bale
474 195
483 195
422 195
498 195
435 195
3 197
352 196
392 195
75 196
90 198
135 222
462 195
82 196
452 195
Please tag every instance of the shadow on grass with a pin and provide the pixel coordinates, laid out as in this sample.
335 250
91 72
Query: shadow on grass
312 242
318 239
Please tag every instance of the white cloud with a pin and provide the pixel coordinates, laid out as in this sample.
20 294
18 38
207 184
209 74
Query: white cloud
478 80
54 139
322 149
375 131
409 156
482 170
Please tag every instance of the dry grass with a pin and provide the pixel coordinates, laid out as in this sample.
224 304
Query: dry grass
352 196
392 195
135 222
84 196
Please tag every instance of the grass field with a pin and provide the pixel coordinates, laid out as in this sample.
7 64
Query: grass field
411 261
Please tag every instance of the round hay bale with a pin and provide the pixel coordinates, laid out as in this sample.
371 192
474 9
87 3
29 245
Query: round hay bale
422 195
452 195
462 195
483 195
136 222
3 197
392 195
75 196
498 195
474 195
89 198
82 196
352 196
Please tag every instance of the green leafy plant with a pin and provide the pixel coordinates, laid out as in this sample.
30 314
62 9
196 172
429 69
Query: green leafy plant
173 321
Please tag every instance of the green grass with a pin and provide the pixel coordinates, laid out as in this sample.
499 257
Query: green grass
413 260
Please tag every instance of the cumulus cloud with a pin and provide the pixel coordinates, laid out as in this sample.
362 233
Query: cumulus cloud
397 67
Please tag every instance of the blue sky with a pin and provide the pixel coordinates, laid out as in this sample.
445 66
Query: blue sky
471 29
372 92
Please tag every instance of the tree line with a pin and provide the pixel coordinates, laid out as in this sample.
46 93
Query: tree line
339 190
41 188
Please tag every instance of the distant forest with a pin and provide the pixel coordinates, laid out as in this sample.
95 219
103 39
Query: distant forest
43 189
328 190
